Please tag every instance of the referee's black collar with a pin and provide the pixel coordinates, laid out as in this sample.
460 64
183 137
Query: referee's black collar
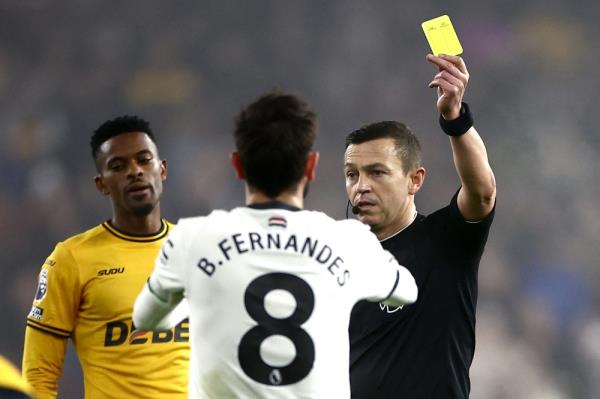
275 204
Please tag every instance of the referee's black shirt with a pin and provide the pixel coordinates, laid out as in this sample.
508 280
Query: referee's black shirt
423 350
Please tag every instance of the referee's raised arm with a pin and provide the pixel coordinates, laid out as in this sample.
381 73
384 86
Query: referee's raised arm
478 192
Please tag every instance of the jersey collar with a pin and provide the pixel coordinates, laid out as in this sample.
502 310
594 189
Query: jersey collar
161 233
415 217
275 204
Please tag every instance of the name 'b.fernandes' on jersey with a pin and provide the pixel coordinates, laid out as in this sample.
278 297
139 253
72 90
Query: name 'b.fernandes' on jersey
86 291
270 290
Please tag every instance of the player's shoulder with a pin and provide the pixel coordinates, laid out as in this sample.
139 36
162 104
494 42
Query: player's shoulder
353 224
313 216
346 229
354 228
65 253
190 221
87 237
203 223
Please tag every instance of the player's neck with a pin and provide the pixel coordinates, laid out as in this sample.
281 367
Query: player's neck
293 198
138 225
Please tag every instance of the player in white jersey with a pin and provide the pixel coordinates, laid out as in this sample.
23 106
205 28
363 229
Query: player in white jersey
270 286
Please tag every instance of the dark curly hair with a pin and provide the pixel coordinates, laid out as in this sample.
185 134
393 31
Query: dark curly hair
273 137
119 125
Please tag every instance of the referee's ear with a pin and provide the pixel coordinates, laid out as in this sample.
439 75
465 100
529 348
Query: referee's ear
416 179
237 165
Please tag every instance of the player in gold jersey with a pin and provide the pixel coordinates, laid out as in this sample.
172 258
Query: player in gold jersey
87 286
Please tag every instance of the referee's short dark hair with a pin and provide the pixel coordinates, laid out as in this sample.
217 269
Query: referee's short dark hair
273 137
116 126
407 145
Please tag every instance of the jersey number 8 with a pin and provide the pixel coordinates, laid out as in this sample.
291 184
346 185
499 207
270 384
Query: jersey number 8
249 349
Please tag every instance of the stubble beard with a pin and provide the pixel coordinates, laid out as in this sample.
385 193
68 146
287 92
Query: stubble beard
143 210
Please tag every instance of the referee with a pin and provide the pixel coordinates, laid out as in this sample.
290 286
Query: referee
422 350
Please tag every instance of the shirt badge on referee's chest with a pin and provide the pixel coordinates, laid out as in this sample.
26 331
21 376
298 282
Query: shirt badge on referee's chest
388 308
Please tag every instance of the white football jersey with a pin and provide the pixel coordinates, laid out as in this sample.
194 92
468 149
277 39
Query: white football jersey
270 292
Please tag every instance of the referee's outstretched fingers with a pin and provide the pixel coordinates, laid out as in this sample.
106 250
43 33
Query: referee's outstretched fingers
455 65
456 61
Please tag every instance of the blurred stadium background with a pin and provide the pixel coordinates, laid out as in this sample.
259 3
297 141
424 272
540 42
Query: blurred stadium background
66 66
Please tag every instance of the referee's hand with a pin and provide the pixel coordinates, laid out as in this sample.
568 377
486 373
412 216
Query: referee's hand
451 82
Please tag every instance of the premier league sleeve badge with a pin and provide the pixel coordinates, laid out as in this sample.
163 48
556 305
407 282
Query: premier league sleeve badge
42 287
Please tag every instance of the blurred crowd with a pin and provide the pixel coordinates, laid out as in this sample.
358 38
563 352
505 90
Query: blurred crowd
188 67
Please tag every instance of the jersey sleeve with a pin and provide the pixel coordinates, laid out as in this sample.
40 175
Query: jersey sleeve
168 276
466 240
379 276
158 306
56 300
43 358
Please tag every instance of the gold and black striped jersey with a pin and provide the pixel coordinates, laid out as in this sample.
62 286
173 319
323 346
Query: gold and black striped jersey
86 291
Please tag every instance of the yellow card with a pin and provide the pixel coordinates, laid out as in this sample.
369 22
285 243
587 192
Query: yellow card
441 36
